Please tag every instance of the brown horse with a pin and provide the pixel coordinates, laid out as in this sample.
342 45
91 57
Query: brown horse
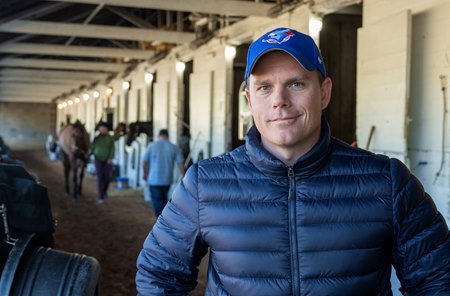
74 143
120 130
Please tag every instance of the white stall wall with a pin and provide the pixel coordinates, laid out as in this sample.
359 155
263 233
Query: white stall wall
383 84
401 53
201 95
137 96
411 114
209 100
162 96
430 60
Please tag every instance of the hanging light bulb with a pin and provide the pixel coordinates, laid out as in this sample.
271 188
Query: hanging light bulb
180 66
148 77
230 52
126 85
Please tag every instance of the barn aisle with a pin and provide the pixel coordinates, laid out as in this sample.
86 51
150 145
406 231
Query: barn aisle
112 232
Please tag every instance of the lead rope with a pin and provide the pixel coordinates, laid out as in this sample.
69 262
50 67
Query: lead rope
8 239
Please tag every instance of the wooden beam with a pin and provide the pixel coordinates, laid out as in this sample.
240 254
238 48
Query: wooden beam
53 74
95 31
224 7
61 64
24 99
34 87
79 51
35 79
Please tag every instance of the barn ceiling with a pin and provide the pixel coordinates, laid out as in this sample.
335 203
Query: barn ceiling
51 48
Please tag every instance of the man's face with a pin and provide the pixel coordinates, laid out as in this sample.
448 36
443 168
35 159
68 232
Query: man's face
286 102
103 129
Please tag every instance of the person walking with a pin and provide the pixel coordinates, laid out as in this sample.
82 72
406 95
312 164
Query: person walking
158 164
295 211
103 150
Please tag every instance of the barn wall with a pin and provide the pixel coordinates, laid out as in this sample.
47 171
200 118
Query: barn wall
26 125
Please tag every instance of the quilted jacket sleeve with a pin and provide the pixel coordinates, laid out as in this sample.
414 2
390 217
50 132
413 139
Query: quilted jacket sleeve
167 265
421 252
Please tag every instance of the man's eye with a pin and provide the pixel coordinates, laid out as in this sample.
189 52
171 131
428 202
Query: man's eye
297 85
263 88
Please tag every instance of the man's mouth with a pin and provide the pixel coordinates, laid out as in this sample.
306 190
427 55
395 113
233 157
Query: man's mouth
283 119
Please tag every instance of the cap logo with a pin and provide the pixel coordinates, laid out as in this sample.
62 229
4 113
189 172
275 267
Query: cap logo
279 36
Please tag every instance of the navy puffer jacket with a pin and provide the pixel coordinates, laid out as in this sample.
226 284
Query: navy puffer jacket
330 225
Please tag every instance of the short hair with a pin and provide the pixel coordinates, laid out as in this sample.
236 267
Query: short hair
164 132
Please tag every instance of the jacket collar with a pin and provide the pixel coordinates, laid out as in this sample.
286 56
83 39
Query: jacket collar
306 165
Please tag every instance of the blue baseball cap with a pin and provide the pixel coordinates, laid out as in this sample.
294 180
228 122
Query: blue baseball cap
300 46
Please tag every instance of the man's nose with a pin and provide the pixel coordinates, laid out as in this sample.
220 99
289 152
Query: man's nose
280 98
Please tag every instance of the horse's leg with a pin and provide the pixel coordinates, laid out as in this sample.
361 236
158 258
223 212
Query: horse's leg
74 178
82 166
66 164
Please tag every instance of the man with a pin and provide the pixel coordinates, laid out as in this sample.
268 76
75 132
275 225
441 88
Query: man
295 211
158 164
103 150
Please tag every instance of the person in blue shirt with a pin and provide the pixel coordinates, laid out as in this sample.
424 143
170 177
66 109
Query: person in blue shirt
158 164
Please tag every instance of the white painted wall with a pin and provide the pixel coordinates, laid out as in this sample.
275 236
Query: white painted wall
201 95
399 87
165 73
430 59
402 50
383 84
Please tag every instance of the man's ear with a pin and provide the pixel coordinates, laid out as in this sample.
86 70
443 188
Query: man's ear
325 90
247 95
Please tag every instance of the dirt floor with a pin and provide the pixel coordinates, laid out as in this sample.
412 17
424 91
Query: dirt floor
112 232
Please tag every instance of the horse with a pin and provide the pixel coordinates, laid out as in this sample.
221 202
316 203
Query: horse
120 130
138 127
73 141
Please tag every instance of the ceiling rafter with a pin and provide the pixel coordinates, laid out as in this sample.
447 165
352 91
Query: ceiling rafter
53 74
75 50
95 31
62 64
225 7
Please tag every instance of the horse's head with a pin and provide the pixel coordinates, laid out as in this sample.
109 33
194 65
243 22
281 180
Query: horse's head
81 138
138 127
133 132
120 130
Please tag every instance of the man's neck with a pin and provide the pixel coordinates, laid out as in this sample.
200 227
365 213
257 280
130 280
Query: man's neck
290 155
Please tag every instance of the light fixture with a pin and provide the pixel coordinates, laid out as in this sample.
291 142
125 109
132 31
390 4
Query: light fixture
109 91
126 85
230 52
64 104
60 106
148 77
70 102
180 66
96 94
315 25
77 100
85 96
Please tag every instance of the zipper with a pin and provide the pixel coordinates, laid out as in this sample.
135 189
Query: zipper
293 233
